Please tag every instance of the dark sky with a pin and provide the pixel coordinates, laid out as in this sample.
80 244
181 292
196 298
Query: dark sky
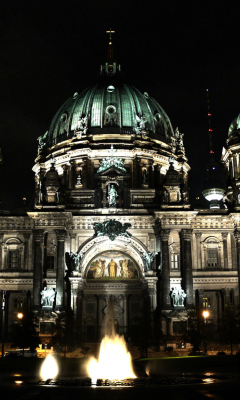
174 50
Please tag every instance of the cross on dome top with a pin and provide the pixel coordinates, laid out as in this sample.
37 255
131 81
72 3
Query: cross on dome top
110 35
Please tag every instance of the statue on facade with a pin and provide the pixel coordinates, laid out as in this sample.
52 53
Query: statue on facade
140 124
112 196
42 141
82 127
48 297
178 295
75 260
144 177
181 296
148 258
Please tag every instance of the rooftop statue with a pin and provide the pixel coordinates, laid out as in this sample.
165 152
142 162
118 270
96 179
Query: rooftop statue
42 141
141 124
82 127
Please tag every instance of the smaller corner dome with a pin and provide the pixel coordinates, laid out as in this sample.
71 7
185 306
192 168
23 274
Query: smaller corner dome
234 126
109 106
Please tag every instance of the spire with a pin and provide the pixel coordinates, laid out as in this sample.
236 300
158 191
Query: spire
110 67
110 57
210 130
213 186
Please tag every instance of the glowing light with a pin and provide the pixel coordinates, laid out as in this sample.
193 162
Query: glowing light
20 315
205 314
18 382
213 194
114 361
49 369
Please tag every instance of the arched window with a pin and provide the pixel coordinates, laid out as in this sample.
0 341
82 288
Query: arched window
13 254
212 253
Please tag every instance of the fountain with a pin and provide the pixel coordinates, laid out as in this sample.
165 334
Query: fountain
114 360
113 367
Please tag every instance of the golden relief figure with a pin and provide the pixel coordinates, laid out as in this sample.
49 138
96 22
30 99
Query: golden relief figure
112 265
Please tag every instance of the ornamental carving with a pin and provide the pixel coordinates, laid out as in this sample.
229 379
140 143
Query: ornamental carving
112 229
164 234
186 234
112 161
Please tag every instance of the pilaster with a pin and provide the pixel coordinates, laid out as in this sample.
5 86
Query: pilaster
38 266
60 284
166 301
186 253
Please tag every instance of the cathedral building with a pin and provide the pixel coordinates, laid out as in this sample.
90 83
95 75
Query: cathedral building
112 219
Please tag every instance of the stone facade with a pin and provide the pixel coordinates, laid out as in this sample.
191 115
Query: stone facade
135 249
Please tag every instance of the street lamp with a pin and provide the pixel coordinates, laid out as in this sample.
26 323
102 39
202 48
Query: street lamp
205 316
20 317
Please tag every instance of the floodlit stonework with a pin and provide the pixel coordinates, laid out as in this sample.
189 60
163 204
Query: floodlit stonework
113 136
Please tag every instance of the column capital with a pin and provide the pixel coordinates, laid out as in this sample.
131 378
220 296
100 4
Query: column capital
61 234
38 234
164 234
237 235
198 235
186 234
225 235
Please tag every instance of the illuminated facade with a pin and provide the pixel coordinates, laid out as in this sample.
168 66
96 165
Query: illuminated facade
112 218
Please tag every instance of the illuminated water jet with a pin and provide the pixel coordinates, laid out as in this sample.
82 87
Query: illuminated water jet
114 360
49 369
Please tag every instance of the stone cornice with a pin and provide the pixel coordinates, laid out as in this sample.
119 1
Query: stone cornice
209 281
218 273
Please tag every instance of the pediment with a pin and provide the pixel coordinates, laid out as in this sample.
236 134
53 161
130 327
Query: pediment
112 170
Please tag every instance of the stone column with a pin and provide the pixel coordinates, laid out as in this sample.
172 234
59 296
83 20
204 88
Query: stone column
1 250
166 301
120 197
70 174
104 197
237 237
38 267
125 314
186 253
60 284
199 254
225 250
26 252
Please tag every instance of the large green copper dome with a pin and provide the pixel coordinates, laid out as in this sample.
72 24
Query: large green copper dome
234 126
109 106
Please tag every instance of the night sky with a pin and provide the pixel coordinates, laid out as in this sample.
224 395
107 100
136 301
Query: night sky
173 50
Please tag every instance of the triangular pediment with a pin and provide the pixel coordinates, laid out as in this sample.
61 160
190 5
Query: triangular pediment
112 170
